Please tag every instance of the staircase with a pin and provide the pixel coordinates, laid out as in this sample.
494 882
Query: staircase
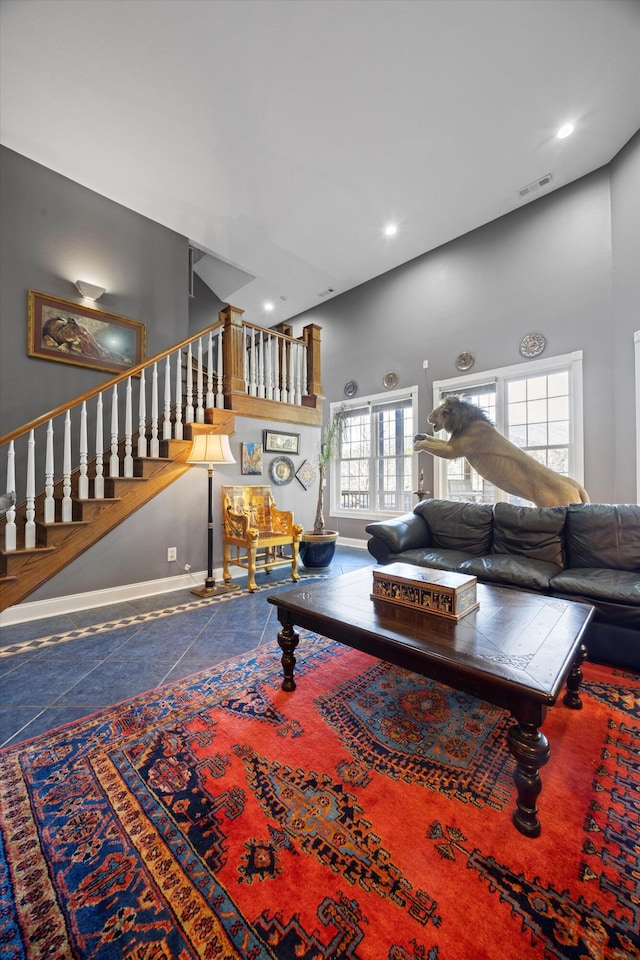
230 365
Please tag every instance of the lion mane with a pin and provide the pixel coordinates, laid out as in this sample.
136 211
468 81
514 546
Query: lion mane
473 436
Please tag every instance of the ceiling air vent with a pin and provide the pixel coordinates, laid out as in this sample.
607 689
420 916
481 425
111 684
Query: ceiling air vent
531 189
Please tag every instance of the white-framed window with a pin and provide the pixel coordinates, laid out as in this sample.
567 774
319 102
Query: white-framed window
374 472
537 405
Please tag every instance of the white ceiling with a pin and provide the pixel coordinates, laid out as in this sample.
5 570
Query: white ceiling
282 135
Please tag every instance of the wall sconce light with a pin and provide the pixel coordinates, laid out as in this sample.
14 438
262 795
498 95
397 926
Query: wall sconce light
89 290
207 449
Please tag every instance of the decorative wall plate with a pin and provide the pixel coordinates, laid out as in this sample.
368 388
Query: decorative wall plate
306 474
464 361
532 345
350 388
281 470
390 379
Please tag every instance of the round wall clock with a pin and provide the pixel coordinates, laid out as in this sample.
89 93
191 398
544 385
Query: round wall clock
350 388
532 345
390 379
281 470
464 361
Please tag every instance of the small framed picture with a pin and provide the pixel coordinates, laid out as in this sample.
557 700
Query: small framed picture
306 474
276 442
251 458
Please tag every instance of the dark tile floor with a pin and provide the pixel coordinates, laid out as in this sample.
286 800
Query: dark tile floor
56 670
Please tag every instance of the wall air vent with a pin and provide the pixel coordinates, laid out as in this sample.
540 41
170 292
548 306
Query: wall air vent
531 189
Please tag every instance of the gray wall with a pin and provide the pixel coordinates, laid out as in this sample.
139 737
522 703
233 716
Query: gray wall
54 232
547 267
625 245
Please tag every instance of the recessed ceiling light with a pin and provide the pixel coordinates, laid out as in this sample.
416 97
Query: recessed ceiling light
390 230
268 306
565 131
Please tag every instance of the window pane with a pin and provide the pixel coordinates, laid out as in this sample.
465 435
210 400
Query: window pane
537 435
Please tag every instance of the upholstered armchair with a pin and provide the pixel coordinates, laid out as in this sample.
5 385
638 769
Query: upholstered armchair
257 536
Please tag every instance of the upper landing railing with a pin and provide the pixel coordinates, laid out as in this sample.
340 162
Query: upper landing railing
231 364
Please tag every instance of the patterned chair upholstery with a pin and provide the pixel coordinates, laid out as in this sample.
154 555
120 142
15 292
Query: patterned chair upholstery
256 534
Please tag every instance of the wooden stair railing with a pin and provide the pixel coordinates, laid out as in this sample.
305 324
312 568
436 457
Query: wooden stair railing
230 365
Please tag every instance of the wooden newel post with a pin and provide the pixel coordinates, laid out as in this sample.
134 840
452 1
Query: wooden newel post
233 350
311 337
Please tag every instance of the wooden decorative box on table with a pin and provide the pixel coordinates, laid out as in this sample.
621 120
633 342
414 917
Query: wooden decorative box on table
440 592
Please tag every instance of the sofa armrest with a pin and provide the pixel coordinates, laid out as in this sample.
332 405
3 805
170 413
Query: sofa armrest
393 536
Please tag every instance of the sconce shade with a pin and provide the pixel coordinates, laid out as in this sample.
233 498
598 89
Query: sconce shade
210 448
89 290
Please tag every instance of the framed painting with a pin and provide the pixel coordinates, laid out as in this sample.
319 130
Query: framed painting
251 458
277 442
85 336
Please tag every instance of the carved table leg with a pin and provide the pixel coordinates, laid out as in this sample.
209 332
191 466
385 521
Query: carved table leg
571 698
288 641
530 748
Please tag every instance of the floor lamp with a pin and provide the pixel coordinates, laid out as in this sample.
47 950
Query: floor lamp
207 449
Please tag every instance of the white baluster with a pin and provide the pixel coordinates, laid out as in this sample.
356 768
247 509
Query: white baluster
98 482
188 411
166 424
142 417
246 343
114 460
83 479
253 383
67 506
303 369
30 526
283 372
268 369
292 368
154 445
219 393
299 373
199 386
10 528
128 433
276 368
209 402
49 502
261 390
177 430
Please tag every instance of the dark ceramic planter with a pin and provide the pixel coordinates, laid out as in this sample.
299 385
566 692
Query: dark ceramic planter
317 550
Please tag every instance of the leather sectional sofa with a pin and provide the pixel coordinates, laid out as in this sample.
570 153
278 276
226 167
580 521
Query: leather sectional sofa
587 552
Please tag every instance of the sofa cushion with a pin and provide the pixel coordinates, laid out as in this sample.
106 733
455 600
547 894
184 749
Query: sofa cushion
604 535
434 557
458 526
534 532
510 569
619 586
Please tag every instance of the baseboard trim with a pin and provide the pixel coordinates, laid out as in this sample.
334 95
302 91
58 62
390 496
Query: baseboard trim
59 606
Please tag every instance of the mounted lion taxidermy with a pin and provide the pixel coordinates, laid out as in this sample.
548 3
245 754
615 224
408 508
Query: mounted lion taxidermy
494 457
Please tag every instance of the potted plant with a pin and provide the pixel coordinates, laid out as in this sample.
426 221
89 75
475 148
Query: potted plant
318 546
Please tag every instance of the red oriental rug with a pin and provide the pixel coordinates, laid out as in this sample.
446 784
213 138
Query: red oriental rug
366 816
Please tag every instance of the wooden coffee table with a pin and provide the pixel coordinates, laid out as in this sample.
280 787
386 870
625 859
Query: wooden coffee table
517 650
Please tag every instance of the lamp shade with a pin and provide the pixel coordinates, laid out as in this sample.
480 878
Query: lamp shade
210 448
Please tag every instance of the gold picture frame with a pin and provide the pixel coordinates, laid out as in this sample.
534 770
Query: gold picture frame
84 336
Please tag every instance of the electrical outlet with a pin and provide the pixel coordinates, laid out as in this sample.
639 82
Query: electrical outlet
172 553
